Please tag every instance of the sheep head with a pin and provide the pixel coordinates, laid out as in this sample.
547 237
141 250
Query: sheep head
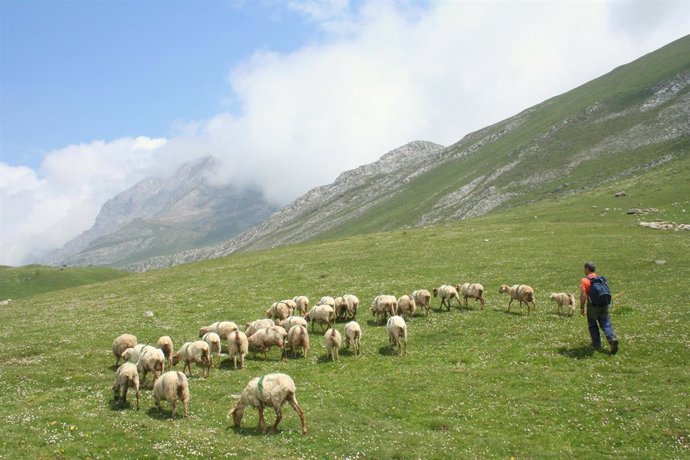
237 412
435 292
203 331
175 359
503 288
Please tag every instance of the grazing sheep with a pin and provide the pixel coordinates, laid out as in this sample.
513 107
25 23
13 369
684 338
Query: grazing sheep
297 338
267 337
222 328
292 306
447 293
121 343
251 328
126 377
272 390
397 333
166 346
238 345
278 311
353 335
172 386
406 304
332 340
384 305
290 321
194 352
131 355
520 292
213 341
327 300
422 298
346 306
322 314
472 290
301 304
150 360
565 302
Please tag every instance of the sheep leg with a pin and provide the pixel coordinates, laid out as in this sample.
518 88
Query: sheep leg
292 400
174 407
279 417
262 422
511 301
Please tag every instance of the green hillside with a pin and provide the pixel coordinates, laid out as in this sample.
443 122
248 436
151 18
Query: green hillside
19 282
474 384
615 127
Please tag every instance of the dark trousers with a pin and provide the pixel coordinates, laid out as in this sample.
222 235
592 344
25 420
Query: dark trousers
598 317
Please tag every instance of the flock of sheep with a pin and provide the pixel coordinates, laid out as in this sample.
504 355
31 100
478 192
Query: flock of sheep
285 327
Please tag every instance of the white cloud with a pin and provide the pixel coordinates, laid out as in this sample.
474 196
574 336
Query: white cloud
381 74
43 210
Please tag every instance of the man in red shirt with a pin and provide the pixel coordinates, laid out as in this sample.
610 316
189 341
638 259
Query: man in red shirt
597 316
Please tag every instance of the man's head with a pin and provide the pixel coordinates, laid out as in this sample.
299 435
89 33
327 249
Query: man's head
590 268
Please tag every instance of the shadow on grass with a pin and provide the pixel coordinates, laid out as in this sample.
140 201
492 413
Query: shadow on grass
511 312
244 430
165 414
116 406
374 323
324 359
583 351
388 350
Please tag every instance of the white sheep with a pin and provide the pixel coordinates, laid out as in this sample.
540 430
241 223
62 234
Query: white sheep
126 377
251 328
447 293
384 305
332 341
472 290
322 314
222 328
121 343
290 321
346 306
397 333
151 360
272 390
194 352
165 344
278 311
353 335
267 337
565 302
520 292
292 305
172 386
301 304
132 354
327 300
238 345
213 341
298 338
406 304
422 299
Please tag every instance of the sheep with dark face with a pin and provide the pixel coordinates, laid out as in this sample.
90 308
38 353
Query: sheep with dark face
272 390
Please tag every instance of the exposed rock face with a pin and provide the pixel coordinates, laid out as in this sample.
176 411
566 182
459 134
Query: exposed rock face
164 215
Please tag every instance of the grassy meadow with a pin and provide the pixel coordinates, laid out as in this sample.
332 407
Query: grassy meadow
474 383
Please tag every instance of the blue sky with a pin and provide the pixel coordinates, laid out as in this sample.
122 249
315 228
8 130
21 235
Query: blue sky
78 71
97 95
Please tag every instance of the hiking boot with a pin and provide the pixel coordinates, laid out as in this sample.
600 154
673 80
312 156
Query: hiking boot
614 346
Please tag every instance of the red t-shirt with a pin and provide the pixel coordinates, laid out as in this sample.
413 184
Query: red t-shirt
586 283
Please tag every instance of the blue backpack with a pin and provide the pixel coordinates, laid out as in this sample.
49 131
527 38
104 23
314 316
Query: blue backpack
599 292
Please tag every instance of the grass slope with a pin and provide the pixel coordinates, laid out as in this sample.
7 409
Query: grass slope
20 282
473 384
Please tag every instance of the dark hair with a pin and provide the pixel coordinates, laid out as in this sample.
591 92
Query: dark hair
590 266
